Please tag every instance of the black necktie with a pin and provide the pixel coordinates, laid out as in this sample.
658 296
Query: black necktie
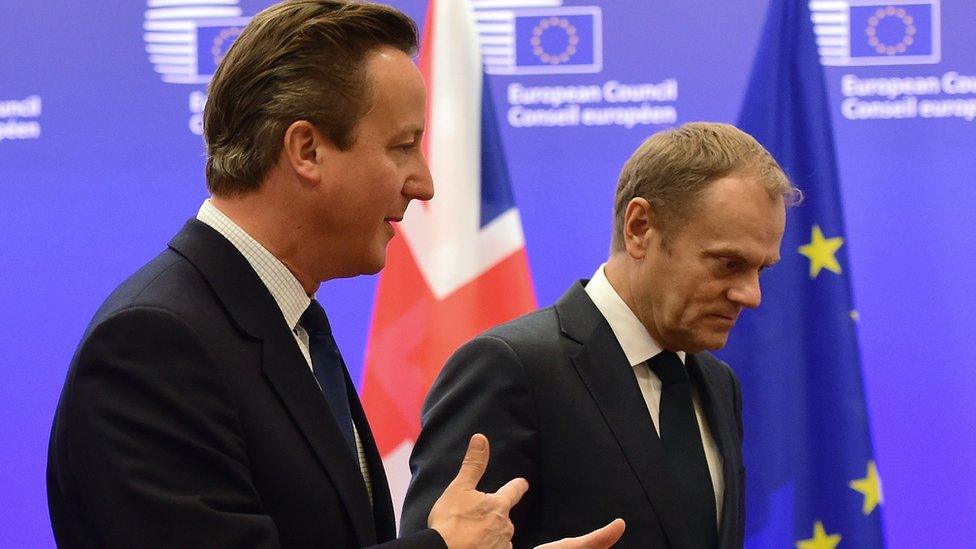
683 449
329 369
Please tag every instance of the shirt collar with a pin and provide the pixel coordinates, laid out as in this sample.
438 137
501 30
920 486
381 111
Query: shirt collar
637 343
286 290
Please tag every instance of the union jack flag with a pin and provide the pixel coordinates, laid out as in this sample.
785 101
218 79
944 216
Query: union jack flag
458 266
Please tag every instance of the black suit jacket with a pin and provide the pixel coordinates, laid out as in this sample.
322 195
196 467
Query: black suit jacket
190 418
560 404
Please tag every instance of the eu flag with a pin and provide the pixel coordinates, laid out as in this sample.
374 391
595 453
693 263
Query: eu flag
812 480
559 37
880 30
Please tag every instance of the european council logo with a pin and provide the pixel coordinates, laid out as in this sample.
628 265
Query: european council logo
186 39
556 40
858 32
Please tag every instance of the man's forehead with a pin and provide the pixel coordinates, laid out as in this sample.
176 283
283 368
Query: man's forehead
398 93
390 66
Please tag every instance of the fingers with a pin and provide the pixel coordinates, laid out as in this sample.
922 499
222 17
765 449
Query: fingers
512 492
474 463
602 538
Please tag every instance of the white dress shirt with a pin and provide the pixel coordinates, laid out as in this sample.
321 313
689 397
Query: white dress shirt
286 290
639 347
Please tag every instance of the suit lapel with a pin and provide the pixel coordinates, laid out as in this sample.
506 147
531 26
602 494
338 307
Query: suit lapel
608 377
719 422
385 528
291 378
254 310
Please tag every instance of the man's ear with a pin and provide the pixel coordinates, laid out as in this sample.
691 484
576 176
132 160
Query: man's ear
303 150
639 230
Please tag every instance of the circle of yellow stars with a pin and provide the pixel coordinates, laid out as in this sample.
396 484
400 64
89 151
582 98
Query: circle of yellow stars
906 40
870 488
572 40
821 252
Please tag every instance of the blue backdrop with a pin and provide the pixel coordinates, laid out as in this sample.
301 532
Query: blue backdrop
101 162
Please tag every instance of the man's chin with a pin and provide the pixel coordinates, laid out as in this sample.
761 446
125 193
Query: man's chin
375 266
374 260
710 342
367 265
717 342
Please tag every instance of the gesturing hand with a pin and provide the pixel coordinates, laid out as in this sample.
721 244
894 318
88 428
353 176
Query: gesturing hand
465 517
601 538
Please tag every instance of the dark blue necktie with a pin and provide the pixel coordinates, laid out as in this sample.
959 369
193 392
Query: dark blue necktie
683 450
330 370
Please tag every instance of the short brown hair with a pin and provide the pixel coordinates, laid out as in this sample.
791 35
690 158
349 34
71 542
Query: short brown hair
672 168
297 60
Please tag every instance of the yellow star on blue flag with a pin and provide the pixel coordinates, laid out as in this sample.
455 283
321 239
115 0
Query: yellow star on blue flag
807 327
870 487
822 252
820 539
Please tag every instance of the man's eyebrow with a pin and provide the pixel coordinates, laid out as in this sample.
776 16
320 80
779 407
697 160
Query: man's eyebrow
739 255
411 130
734 253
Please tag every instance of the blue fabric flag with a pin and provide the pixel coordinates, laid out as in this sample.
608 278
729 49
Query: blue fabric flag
812 481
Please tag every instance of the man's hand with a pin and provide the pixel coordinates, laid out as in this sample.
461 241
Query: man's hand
597 539
465 517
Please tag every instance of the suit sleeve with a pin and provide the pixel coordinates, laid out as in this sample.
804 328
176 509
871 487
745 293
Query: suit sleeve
482 389
146 449
424 539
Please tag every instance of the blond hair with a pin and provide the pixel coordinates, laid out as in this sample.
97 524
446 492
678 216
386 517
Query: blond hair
672 168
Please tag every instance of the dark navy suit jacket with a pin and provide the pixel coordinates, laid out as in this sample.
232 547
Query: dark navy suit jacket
190 418
561 407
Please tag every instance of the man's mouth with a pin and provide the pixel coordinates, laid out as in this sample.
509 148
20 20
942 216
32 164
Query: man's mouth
728 318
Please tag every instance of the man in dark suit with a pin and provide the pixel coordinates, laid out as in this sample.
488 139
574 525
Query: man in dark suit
608 402
207 404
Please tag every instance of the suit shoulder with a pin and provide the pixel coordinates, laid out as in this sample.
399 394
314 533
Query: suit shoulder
163 283
540 326
533 341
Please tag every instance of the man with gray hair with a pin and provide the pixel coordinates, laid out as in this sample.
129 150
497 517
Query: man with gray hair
609 402
207 404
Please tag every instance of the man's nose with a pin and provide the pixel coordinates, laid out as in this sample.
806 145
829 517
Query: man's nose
746 292
420 186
